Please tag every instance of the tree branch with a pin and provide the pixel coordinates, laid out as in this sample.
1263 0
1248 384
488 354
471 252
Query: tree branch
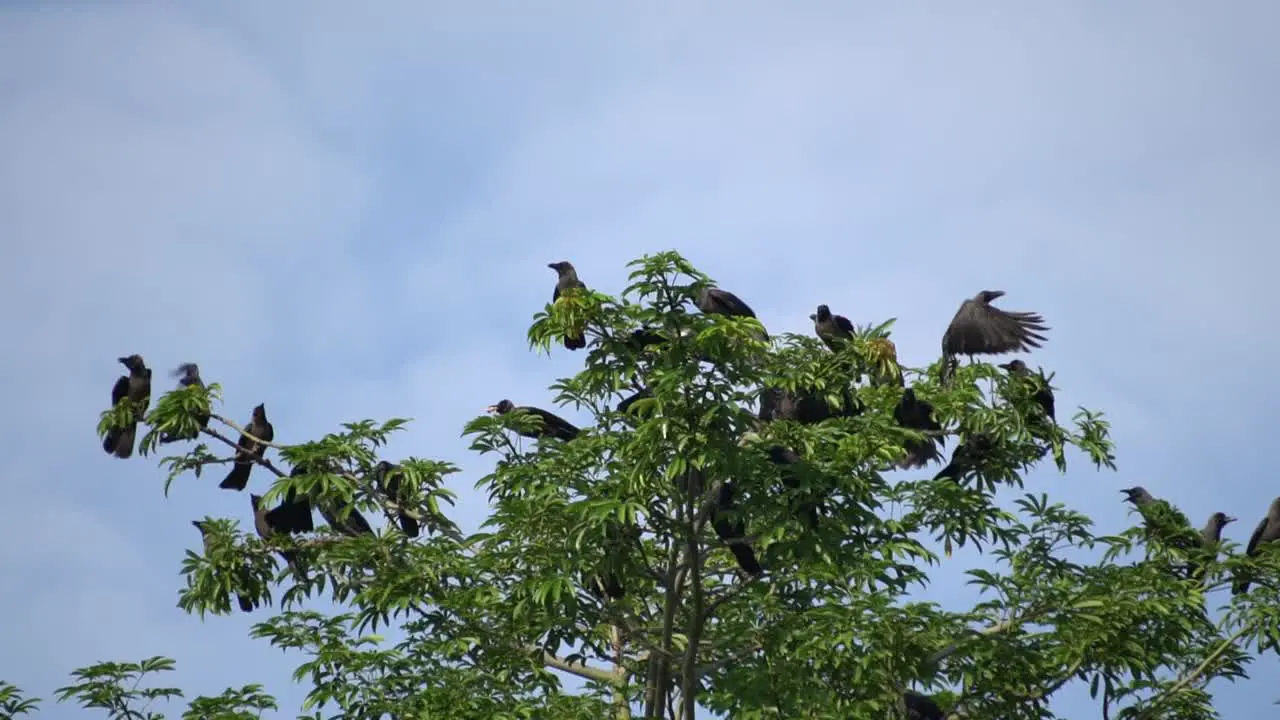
583 671
1199 670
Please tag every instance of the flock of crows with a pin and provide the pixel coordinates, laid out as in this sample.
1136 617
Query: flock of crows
978 328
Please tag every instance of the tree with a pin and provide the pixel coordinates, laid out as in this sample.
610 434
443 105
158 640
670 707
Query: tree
608 557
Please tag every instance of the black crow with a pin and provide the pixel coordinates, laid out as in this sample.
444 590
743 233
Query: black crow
552 425
567 279
136 387
188 374
249 449
834 330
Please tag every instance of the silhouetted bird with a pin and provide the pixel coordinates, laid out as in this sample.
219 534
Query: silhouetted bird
969 458
245 603
733 532
1210 538
266 530
136 387
833 330
791 468
1268 531
978 328
807 408
188 374
1138 495
388 478
1044 394
714 301
249 449
921 707
625 404
916 414
607 582
552 425
353 524
1163 521
294 514
567 279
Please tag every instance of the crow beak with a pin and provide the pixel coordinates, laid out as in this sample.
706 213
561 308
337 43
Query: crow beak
1228 519
554 266
491 409
123 360
197 524
997 294
813 317
1006 366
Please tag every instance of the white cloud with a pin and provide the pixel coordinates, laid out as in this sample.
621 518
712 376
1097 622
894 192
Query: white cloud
347 214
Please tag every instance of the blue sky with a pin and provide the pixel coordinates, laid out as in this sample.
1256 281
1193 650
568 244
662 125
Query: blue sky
347 214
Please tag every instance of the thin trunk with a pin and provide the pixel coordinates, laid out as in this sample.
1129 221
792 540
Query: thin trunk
621 705
656 685
689 674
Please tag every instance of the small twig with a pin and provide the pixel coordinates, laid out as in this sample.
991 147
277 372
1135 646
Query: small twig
244 432
261 460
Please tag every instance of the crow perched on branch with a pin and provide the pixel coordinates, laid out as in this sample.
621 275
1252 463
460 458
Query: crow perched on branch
246 604
921 707
833 330
1210 537
916 414
978 328
388 478
188 374
567 279
266 530
552 425
790 467
714 301
968 458
1163 521
804 407
294 514
249 450
1268 531
733 532
136 388
1044 394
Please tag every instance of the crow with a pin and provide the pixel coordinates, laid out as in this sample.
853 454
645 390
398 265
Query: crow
1268 531
625 404
790 469
567 279
1163 521
246 604
294 514
833 330
552 425
714 301
804 407
1044 394
135 387
968 458
249 449
978 328
921 707
1210 537
266 530
388 478
916 414
354 524
188 374
733 532
606 582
